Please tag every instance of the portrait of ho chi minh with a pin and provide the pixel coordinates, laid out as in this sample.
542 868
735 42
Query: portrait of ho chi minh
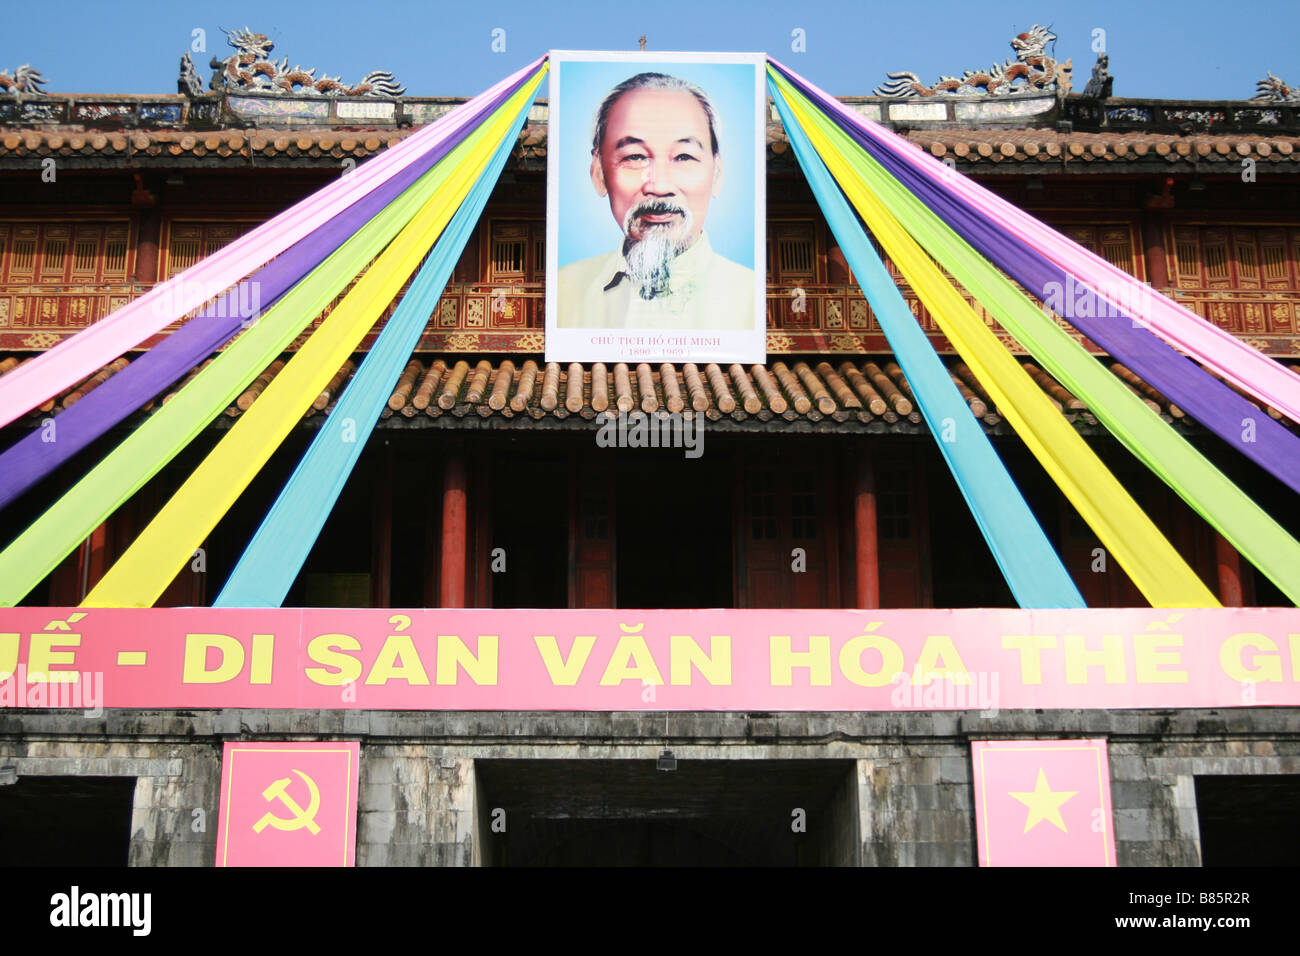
655 156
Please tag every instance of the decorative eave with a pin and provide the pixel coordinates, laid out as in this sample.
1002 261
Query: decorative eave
1011 150
814 393
219 148
1045 151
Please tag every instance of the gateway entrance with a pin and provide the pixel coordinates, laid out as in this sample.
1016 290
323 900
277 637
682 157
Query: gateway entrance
704 813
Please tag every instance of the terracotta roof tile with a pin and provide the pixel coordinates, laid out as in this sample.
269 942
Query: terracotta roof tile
831 388
264 143
1044 145
975 144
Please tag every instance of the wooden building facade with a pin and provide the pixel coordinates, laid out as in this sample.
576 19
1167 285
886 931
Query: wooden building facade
810 480
484 484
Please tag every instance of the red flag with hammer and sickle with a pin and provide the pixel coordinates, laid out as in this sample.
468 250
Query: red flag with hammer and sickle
288 804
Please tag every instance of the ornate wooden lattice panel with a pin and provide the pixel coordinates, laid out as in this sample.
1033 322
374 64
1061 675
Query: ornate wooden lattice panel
57 278
1244 279
188 242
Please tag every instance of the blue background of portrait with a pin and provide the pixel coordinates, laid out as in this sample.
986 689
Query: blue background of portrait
586 225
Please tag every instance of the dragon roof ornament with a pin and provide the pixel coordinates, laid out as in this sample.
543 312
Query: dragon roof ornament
1032 71
1101 83
24 81
251 70
1272 89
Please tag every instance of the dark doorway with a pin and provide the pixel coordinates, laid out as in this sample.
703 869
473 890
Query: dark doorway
66 821
963 570
704 813
674 530
530 523
1249 821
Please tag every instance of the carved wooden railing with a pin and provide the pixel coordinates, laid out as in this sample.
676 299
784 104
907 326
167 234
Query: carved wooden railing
505 316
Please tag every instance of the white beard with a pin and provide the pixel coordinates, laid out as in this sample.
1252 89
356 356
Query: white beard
650 258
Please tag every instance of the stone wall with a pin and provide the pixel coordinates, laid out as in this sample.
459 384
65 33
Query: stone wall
908 803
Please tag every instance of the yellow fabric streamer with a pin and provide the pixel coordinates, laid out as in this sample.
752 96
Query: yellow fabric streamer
161 550
1162 576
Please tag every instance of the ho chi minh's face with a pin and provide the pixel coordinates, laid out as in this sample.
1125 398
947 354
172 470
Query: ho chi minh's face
657 153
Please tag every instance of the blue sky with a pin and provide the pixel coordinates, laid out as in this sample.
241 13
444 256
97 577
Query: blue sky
1195 49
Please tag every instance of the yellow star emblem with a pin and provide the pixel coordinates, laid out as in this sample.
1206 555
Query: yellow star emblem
1044 804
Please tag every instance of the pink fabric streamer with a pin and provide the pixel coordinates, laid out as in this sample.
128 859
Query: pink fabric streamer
1248 368
78 357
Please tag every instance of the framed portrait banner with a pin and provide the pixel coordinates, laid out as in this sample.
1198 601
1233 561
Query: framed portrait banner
656 207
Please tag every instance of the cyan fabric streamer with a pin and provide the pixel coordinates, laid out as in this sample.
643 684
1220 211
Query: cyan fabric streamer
33 457
272 560
1032 569
1191 388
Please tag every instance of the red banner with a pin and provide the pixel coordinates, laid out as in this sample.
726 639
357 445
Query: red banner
793 660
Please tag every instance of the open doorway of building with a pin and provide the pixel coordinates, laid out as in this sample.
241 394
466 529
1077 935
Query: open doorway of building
530 526
674 517
704 813
66 821
1249 820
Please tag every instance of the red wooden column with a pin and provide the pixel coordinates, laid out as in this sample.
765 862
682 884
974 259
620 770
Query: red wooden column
1153 247
147 252
455 531
1228 563
72 580
864 522
93 561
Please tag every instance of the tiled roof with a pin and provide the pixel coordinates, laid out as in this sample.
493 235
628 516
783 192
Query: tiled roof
831 390
233 145
1050 146
981 146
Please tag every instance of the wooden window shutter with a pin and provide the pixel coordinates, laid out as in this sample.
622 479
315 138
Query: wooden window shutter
796 251
1214 242
1247 258
509 250
1117 248
1274 258
1187 254
54 254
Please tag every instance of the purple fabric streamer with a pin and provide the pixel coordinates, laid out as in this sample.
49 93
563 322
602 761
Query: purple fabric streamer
1189 386
32 458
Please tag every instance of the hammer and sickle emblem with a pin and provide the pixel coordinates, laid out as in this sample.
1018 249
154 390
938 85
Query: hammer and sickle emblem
301 818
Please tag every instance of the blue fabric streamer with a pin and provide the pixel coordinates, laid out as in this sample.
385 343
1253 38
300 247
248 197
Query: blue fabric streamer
276 554
1032 569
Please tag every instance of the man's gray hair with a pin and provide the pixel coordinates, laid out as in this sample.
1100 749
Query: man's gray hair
653 81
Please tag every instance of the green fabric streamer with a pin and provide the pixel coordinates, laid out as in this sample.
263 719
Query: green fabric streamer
143 453
1198 482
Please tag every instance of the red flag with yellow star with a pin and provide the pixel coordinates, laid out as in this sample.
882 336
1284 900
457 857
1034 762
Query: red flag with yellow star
1043 803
